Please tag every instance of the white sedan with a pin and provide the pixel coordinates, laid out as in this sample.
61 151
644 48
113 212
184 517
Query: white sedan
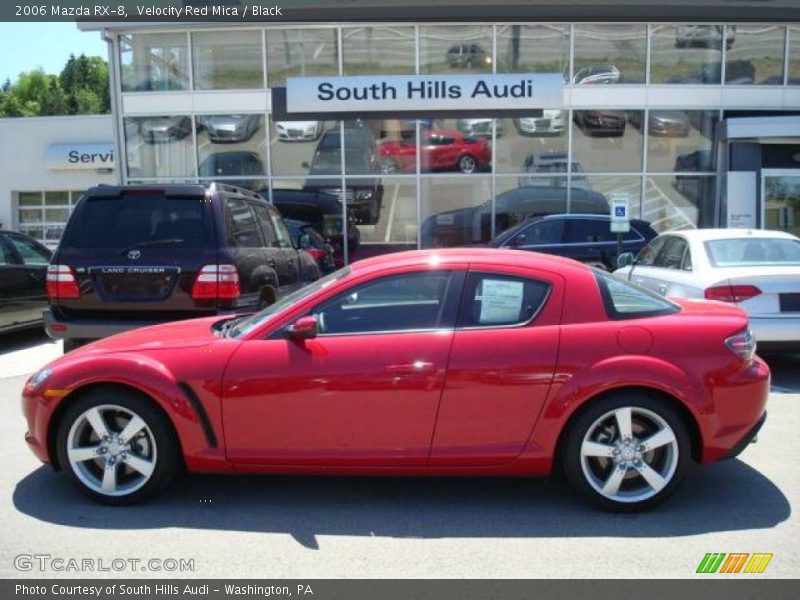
757 270
299 131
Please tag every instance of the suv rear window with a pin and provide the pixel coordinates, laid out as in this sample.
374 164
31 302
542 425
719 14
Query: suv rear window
624 300
136 219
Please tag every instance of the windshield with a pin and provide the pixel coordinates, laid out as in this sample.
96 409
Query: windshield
749 251
132 220
247 324
509 234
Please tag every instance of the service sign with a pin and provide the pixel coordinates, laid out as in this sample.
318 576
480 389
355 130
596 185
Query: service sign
410 93
80 156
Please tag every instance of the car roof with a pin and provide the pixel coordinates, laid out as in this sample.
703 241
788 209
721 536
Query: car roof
704 235
465 255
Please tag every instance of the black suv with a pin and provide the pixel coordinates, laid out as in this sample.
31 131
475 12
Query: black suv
363 195
139 255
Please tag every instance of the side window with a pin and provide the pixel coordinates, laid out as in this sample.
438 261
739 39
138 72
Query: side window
493 300
648 254
265 223
6 256
687 260
671 254
244 226
550 231
590 231
284 237
408 302
31 254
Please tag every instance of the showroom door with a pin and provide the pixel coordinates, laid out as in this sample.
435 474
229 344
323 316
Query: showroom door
365 391
780 206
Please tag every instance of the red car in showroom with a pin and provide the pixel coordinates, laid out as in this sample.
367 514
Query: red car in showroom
441 150
450 362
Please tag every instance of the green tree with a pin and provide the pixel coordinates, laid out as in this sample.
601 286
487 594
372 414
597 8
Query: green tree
85 81
80 88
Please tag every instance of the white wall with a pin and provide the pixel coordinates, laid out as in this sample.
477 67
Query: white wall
23 142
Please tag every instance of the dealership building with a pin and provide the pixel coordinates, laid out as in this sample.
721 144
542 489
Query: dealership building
688 111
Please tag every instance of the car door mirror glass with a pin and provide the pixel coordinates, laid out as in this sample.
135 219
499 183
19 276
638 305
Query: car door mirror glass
305 241
305 328
625 259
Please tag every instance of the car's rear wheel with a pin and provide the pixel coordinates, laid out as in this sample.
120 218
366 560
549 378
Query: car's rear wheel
116 447
627 452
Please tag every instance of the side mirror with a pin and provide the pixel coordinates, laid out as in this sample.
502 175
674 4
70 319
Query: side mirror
518 240
305 241
625 259
305 164
305 328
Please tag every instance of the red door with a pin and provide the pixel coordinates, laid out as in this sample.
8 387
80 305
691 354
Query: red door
501 366
355 395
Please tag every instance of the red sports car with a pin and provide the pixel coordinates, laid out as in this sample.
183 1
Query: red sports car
448 362
441 150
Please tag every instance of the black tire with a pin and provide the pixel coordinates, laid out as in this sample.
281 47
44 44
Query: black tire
167 461
571 459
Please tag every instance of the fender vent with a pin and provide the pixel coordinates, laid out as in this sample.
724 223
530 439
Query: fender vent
208 430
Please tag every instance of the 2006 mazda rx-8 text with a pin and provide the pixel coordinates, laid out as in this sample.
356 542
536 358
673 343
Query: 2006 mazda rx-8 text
449 362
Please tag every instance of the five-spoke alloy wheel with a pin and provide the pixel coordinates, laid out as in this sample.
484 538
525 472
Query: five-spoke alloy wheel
116 446
627 452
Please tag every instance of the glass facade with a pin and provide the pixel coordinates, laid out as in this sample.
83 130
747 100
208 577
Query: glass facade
434 182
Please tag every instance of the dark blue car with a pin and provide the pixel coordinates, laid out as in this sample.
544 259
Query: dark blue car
587 238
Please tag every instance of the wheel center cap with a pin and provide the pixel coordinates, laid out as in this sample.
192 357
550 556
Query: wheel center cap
114 448
628 453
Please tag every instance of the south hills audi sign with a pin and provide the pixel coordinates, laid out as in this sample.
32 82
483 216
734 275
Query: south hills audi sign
415 93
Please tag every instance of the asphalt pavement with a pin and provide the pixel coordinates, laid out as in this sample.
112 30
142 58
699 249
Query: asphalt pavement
312 527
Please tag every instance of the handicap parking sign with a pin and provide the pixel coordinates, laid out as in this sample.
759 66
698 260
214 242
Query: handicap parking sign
619 211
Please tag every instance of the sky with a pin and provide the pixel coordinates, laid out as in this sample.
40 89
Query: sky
26 46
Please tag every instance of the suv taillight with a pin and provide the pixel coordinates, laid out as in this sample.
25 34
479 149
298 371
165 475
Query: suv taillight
61 282
732 293
743 345
216 281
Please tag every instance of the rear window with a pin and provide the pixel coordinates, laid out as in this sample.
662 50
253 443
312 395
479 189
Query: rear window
624 300
139 219
740 252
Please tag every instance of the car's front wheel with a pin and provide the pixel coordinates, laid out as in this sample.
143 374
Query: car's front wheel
467 164
116 446
627 452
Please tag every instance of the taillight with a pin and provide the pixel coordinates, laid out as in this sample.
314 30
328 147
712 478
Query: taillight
61 282
316 253
743 345
216 281
732 293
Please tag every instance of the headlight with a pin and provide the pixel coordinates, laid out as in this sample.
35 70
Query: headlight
363 194
40 377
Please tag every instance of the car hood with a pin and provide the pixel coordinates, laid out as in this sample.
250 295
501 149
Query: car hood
191 333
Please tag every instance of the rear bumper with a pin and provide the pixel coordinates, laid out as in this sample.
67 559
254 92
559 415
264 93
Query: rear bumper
778 329
88 329
747 439
95 329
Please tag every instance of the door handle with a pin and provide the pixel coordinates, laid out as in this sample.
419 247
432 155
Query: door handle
415 368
